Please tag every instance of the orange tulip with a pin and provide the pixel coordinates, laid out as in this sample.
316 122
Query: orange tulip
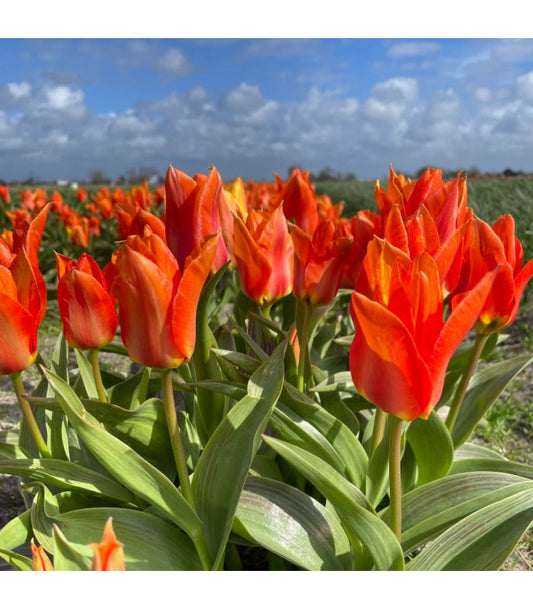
488 248
319 261
192 213
108 554
402 344
363 226
4 194
28 231
157 302
87 310
22 308
445 201
299 202
40 560
263 253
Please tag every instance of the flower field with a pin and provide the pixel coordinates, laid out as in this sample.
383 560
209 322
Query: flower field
266 376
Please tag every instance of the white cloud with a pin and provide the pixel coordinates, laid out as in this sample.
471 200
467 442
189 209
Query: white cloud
245 98
399 89
524 87
410 49
482 94
174 61
19 90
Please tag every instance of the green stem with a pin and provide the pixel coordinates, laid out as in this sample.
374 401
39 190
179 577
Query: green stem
395 477
178 449
460 392
95 365
29 417
379 429
303 340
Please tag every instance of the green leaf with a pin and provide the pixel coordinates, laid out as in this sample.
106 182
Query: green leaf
86 375
12 451
286 521
432 445
66 556
492 465
149 542
67 476
352 507
485 387
430 509
17 561
347 446
340 381
475 451
132 392
225 462
481 541
129 468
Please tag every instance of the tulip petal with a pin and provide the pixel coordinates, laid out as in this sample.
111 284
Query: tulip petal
385 363
18 336
183 320
87 311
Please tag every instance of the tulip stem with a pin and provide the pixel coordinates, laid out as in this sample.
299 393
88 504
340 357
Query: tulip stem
379 429
29 417
178 449
95 365
469 370
304 328
395 477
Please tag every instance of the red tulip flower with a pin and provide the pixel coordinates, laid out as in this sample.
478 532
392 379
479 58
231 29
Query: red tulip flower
299 202
22 308
157 301
402 344
263 253
109 553
87 310
192 213
488 248
319 261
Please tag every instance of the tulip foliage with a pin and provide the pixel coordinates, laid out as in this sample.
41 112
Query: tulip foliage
290 389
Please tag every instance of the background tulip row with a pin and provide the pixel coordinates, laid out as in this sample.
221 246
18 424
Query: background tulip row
302 389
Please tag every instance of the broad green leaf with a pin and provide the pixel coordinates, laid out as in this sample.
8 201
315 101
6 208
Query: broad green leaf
481 541
347 446
149 542
352 507
334 404
430 509
16 532
240 360
12 451
293 429
377 475
288 522
66 556
225 462
67 476
144 429
432 445
484 389
132 392
492 465
86 375
340 381
129 468
475 451
17 561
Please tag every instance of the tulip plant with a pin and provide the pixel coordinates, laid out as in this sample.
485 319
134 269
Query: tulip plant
302 389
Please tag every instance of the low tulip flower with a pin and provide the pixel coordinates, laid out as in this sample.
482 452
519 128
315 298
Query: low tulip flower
86 308
402 344
157 301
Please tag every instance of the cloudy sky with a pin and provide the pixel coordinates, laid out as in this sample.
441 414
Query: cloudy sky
254 106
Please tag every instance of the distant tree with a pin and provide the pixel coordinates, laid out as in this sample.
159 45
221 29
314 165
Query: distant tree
349 177
97 176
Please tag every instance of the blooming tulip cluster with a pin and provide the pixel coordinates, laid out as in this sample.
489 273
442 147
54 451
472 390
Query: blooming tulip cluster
242 287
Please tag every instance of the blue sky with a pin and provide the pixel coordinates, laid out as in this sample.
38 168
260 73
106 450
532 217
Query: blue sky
255 106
